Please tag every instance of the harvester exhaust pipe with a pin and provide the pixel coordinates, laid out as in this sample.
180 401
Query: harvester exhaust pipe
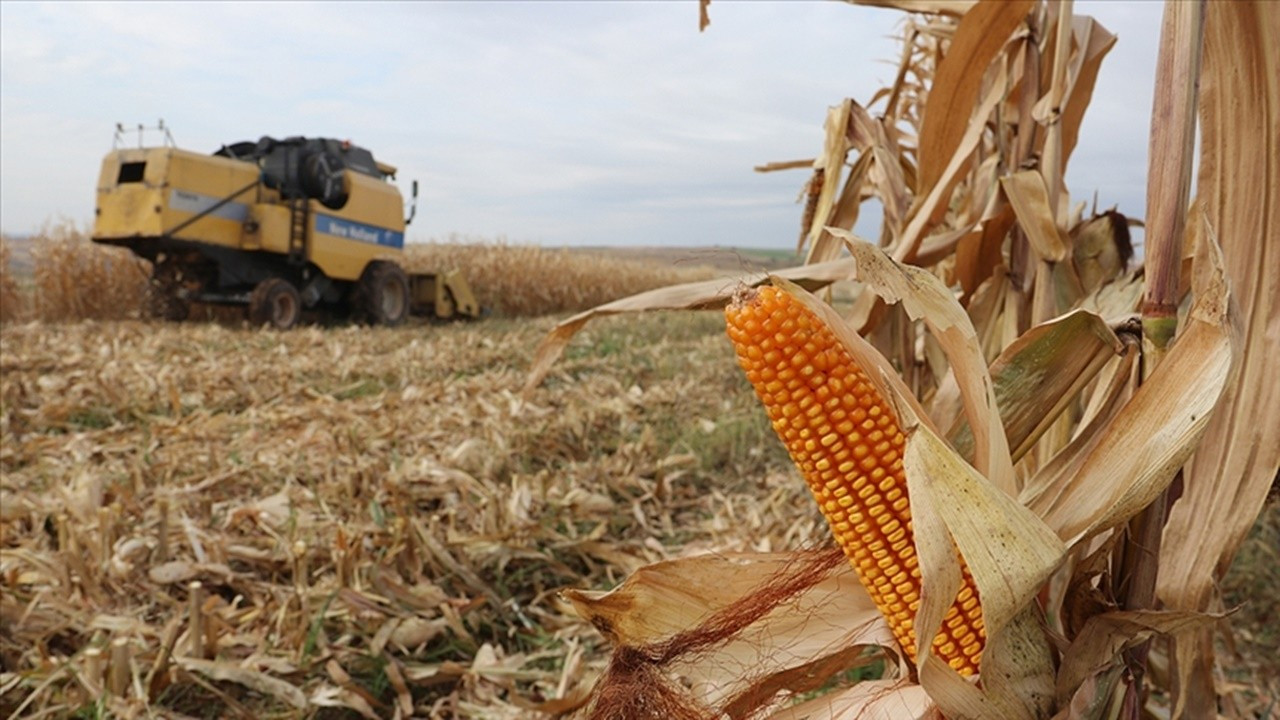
413 209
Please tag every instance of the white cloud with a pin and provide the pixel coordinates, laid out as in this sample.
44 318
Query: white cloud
557 122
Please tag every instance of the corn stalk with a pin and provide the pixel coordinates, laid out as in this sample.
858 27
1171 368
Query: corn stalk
1168 190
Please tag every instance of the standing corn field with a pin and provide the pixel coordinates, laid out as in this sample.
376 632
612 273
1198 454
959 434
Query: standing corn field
1046 405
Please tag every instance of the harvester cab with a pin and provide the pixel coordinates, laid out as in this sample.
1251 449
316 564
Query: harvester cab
279 226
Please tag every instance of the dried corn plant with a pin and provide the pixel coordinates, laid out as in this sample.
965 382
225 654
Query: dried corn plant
75 279
1046 409
12 301
70 278
518 280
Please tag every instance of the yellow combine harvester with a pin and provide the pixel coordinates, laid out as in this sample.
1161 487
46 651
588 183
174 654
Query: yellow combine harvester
278 225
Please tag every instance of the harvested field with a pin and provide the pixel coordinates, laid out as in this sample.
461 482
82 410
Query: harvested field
376 520
374 516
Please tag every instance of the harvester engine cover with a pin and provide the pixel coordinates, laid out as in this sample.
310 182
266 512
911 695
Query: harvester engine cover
305 167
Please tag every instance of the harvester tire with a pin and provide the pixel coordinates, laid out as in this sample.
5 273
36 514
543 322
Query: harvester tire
384 293
275 302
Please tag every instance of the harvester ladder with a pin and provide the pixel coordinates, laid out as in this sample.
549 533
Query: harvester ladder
298 216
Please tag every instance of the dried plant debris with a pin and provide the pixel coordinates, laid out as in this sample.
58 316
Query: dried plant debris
354 517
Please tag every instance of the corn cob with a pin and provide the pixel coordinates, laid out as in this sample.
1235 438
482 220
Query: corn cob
844 438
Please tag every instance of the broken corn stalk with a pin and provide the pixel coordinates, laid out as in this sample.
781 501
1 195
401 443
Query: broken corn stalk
848 445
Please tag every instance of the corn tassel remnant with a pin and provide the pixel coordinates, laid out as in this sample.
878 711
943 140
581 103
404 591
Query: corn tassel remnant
848 445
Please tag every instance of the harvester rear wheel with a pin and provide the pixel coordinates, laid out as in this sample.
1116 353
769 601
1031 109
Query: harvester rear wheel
275 302
384 293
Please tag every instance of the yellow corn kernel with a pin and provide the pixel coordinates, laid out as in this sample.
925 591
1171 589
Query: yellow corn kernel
834 418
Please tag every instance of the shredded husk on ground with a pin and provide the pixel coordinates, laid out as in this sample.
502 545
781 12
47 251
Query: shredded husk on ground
376 499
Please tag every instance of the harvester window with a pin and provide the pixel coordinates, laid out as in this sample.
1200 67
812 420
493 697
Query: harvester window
131 172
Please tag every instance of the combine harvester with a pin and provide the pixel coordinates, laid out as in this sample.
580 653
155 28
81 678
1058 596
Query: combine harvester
277 225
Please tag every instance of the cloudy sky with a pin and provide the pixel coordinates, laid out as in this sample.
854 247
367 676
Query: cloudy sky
558 123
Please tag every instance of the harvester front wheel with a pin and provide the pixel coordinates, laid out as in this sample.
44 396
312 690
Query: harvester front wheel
275 302
384 293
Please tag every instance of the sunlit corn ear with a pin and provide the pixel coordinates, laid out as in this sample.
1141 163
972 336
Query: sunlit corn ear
847 443
1009 552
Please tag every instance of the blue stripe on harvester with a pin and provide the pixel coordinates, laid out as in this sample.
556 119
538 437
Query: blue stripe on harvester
358 231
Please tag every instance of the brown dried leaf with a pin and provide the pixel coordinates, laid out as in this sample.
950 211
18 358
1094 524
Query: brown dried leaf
827 247
703 295
785 165
665 598
1030 200
830 164
944 7
1239 192
1142 446
1037 377
924 297
1104 636
957 82
978 255
867 700
1093 43
929 206
682 620
252 679
1010 553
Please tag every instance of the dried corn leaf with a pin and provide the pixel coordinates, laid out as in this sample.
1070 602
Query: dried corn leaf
336 697
1239 192
785 165
1010 554
844 213
1093 42
924 297
734 629
868 134
829 166
1143 445
1030 200
1098 645
957 83
868 700
690 296
252 679
929 206
978 255
1037 376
